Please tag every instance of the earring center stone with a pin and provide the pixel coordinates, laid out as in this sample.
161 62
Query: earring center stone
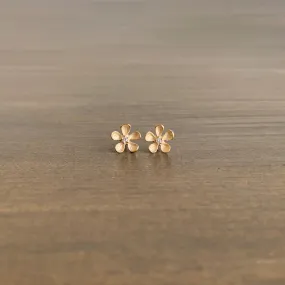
125 140
159 140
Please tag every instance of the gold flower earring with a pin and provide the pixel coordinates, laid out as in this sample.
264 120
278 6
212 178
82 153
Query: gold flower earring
159 140
125 139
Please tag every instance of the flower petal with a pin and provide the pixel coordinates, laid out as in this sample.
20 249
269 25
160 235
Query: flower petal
153 147
159 130
120 147
150 137
133 147
168 136
135 136
126 129
116 136
165 147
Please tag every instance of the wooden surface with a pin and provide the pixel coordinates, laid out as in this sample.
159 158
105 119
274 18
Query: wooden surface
72 211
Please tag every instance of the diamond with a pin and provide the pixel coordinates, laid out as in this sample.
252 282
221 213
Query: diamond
125 140
159 140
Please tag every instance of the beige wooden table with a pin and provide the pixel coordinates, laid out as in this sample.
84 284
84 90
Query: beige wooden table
72 211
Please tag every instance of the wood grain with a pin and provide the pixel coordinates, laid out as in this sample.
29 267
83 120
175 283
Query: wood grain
72 211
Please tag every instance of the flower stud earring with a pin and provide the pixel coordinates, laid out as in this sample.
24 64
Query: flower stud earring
125 139
159 140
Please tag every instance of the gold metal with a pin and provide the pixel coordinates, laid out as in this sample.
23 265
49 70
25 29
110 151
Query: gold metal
159 140
126 139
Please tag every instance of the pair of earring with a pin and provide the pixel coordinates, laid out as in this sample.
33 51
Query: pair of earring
158 141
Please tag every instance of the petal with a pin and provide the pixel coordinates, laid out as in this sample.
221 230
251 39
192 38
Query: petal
165 147
126 129
168 136
150 137
159 130
133 147
135 136
116 136
153 147
120 147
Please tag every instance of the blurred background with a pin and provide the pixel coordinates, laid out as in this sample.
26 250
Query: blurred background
72 211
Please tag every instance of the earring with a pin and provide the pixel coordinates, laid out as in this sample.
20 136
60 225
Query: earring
159 140
125 139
